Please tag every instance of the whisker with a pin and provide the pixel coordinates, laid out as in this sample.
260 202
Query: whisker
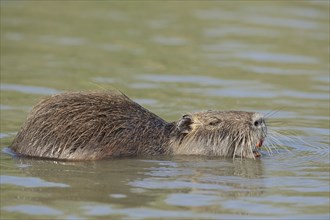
273 112
236 145
251 151
270 152
278 142
243 142
294 136
234 151
99 86
273 122
287 136
273 142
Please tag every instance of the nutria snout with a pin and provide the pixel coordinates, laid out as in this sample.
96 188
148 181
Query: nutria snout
96 125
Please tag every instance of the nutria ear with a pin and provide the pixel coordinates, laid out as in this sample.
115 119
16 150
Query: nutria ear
184 124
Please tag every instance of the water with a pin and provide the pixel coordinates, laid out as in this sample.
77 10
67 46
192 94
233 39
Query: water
173 58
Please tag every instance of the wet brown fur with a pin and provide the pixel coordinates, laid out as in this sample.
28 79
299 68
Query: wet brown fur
96 125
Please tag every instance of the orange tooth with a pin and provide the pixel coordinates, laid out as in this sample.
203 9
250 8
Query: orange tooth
259 144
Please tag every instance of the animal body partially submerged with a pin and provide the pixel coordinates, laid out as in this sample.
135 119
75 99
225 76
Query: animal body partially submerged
97 125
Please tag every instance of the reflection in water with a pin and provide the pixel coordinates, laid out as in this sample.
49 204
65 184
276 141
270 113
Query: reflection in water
101 179
127 182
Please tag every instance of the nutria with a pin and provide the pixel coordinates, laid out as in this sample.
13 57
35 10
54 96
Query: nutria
96 125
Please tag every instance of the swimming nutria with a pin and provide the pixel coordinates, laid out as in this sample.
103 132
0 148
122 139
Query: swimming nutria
96 125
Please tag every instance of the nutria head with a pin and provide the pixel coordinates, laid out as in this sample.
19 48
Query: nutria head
221 133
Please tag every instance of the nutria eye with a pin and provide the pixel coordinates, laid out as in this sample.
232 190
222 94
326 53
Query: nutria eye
214 123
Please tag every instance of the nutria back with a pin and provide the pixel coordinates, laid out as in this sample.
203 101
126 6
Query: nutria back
96 125
90 125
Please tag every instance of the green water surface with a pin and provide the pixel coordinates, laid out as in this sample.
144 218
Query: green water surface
172 57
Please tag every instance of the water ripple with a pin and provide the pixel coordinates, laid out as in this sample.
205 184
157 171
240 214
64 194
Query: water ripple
280 71
239 31
14 36
192 200
65 41
159 183
147 213
169 41
276 57
199 80
30 182
28 89
284 22
33 210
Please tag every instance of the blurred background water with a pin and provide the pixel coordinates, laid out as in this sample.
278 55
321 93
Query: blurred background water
172 58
